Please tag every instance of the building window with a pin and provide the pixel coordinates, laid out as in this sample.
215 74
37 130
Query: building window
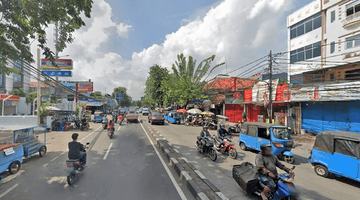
305 53
332 47
332 76
352 74
305 26
353 41
17 78
353 8
332 16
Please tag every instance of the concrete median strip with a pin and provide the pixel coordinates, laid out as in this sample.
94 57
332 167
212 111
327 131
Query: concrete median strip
199 186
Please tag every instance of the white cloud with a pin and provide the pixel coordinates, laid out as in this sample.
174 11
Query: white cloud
239 30
123 30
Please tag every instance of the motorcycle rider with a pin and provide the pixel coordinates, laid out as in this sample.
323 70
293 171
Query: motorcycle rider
204 135
111 125
121 118
76 150
222 132
266 163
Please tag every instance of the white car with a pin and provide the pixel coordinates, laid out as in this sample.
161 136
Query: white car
145 111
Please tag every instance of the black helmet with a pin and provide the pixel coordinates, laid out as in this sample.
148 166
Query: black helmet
205 127
222 126
265 147
74 136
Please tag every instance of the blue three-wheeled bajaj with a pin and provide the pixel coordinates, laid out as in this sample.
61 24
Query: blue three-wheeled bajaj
253 134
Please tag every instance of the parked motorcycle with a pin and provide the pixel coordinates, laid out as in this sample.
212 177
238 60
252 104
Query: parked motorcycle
111 132
211 125
228 146
77 123
84 125
235 129
209 148
75 167
188 120
244 176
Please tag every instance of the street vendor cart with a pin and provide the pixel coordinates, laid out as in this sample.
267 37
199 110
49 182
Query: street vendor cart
11 157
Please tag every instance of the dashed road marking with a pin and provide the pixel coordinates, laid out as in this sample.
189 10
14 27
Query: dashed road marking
8 190
107 152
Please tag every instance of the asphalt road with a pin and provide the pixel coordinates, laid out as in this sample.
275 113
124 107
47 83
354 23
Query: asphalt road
310 185
130 169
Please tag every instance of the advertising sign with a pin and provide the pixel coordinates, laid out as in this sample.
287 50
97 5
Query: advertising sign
45 98
57 73
61 64
119 97
70 97
85 87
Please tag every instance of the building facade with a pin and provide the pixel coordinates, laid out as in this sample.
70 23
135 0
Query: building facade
324 70
13 81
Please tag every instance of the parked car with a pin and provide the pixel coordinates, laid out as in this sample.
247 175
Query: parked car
145 111
132 116
336 152
156 118
253 134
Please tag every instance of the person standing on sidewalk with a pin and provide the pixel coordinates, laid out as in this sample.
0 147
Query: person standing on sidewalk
77 150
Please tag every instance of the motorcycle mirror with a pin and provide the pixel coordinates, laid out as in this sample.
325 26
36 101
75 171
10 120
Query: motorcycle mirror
87 143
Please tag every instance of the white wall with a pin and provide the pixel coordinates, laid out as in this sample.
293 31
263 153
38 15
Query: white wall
304 13
23 107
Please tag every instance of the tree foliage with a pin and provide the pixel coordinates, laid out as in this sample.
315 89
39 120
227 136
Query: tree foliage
23 21
187 80
18 92
155 90
126 98
137 103
30 98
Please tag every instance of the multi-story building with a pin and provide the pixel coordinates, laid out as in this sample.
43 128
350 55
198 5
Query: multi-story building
14 81
324 70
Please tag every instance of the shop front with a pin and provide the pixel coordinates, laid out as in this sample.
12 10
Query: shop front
10 104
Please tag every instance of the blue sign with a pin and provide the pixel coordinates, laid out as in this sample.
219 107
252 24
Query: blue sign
111 103
119 97
57 73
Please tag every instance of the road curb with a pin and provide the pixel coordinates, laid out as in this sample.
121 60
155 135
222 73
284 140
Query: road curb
194 188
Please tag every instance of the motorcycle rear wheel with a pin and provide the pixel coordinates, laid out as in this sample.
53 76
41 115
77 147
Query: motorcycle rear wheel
71 179
213 155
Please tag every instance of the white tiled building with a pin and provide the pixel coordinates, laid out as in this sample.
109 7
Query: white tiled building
324 34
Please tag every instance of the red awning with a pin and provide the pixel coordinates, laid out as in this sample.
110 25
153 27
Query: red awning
13 98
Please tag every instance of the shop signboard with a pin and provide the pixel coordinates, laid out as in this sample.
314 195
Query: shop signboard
57 73
85 87
61 64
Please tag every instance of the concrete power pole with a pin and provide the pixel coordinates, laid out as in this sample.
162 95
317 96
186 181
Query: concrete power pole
270 88
38 86
56 57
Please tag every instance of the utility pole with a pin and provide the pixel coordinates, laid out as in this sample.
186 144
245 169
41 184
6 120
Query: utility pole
270 88
38 86
56 57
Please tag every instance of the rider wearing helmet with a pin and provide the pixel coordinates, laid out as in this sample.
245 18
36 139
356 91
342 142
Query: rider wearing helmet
111 125
222 132
204 135
266 163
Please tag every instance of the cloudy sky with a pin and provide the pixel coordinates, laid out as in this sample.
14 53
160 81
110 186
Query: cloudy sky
123 38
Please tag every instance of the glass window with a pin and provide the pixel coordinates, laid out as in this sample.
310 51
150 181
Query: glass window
282 133
301 56
332 76
300 30
357 8
264 133
349 44
317 49
252 130
293 33
308 52
317 22
293 58
346 147
332 16
332 47
309 26
353 41
349 11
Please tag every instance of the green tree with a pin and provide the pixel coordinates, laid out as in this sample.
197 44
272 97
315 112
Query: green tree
126 98
155 90
30 98
137 103
23 21
43 111
187 81
18 92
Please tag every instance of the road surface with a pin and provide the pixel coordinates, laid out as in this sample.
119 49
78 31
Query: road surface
126 167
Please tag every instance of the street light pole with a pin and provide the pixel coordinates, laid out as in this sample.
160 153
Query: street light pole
38 86
270 89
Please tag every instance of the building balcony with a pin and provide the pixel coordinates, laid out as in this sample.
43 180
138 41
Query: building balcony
351 20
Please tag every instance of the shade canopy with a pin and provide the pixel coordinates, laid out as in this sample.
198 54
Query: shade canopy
194 111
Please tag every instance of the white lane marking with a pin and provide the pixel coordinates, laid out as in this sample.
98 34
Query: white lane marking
45 164
89 134
119 128
54 158
107 152
181 193
8 190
